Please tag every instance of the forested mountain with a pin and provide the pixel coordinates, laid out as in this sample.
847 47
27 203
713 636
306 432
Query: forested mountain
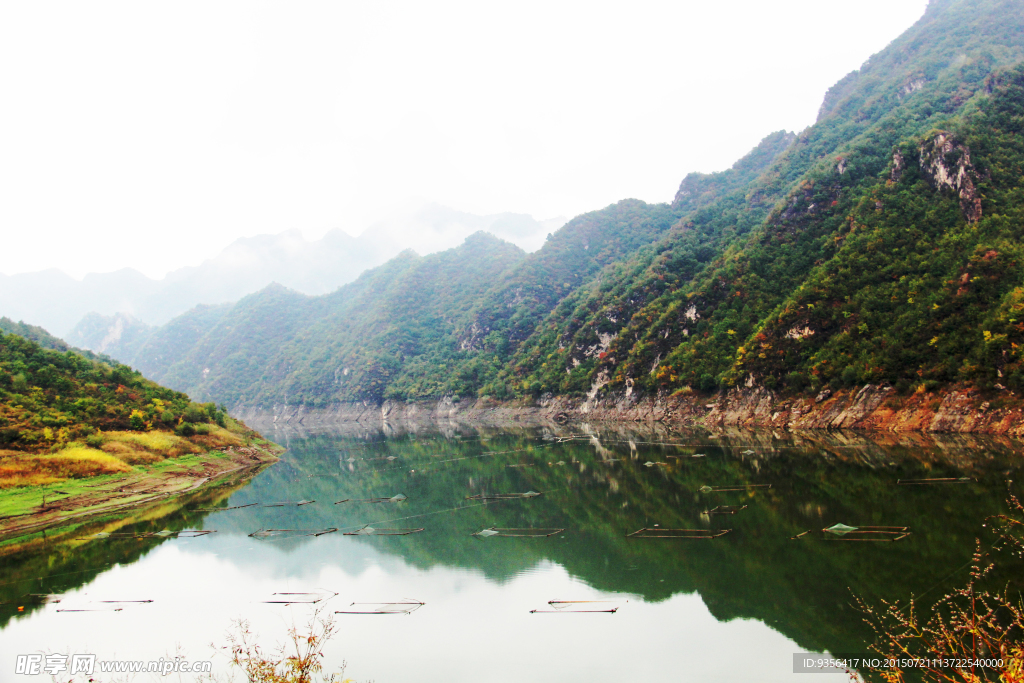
46 340
856 232
879 245
394 325
51 398
119 335
35 334
410 328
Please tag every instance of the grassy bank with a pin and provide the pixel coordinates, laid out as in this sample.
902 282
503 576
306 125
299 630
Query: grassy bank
115 469
107 453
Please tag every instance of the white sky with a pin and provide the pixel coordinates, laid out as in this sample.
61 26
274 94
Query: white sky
153 134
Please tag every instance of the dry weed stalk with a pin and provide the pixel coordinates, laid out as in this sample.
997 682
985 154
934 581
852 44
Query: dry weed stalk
965 625
300 665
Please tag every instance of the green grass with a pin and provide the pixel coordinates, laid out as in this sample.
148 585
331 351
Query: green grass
23 499
19 500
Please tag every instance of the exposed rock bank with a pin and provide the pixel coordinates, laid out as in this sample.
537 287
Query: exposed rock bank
878 408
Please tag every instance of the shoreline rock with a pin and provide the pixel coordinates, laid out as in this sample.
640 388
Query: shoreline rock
871 408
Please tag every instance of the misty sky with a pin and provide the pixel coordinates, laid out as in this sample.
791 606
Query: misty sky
152 135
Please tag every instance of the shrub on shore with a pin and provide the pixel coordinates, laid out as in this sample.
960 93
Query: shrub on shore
971 623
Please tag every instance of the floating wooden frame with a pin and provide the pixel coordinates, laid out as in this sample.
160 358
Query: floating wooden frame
266 533
284 600
370 531
185 533
726 509
934 480
233 507
885 534
740 487
286 503
561 605
503 496
658 532
114 534
393 499
613 610
405 607
526 532
166 533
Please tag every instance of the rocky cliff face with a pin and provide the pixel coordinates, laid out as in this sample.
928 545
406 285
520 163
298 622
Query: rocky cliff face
871 407
946 163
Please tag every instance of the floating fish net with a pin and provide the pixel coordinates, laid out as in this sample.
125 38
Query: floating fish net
503 496
274 533
613 610
737 487
842 532
407 607
393 499
297 598
370 531
726 509
658 532
165 533
233 507
531 532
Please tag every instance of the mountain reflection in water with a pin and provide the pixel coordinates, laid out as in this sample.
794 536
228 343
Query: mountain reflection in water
705 606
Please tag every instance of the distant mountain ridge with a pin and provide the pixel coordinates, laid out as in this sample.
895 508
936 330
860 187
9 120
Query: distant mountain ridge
57 302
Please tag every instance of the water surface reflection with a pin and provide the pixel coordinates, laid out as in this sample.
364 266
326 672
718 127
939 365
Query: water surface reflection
732 608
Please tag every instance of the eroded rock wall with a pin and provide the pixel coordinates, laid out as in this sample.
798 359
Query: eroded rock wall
871 407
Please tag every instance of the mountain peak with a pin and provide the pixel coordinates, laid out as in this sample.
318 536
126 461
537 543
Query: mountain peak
700 189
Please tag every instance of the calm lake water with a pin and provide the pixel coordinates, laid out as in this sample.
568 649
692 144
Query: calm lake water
735 607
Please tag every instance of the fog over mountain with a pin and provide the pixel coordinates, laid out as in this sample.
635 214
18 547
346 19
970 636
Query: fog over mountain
57 301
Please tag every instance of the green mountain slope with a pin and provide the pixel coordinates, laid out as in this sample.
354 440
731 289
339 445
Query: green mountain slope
118 335
167 345
877 245
34 333
394 326
46 340
667 322
51 398
396 331
236 352
700 189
